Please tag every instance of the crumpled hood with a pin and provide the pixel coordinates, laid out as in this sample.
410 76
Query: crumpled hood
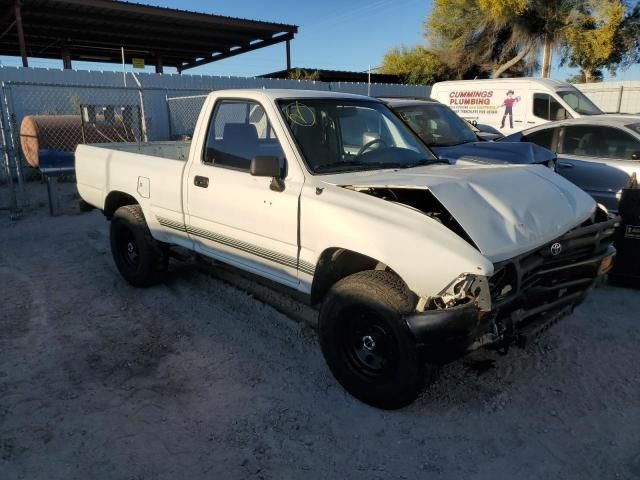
496 152
505 210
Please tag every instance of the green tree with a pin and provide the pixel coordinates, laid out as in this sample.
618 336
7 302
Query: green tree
627 42
505 37
302 74
592 38
496 35
596 76
415 65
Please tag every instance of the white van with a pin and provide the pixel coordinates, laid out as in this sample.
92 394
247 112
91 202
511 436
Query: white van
513 104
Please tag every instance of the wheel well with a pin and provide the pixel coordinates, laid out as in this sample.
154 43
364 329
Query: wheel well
336 263
115 200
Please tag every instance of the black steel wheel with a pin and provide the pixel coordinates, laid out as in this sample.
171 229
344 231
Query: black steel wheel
366 342
140 259
126 247
368 346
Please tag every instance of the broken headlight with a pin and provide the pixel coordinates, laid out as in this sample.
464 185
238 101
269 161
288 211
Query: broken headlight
466 288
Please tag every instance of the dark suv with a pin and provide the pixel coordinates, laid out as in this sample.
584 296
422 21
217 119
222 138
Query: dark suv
454 140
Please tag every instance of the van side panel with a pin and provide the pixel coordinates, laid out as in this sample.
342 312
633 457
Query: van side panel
505 104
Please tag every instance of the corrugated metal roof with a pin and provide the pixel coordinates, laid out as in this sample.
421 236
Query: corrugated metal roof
95 30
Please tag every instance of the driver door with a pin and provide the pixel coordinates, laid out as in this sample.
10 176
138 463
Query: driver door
234 216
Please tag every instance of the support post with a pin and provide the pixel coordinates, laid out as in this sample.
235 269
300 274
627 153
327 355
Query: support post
49 196
23 45
620 99
66 58
159 65
288 54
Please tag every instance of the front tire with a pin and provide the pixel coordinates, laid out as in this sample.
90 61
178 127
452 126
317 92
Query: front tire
367 344
140 259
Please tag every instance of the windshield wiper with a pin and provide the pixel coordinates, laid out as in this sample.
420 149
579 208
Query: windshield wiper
345 163
451 144
421 163
351 163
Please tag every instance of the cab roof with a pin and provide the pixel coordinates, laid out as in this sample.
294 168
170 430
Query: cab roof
283 93
409 102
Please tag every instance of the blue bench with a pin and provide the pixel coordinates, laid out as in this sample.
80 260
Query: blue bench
55 163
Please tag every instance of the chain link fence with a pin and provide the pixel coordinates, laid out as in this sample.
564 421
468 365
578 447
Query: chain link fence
183 115
39 117
50 110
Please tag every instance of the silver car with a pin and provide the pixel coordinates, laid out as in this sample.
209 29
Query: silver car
598 153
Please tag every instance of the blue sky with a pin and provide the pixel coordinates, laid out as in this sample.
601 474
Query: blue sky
333 34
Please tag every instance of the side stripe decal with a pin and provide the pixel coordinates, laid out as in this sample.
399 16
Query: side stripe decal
303 266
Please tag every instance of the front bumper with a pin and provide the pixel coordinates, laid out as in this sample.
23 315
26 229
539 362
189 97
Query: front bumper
528 294
446 325
450 333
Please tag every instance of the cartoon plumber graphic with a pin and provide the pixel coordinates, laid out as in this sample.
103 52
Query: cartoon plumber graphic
508 104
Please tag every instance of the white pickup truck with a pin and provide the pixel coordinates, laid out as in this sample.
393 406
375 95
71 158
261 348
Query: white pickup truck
410 261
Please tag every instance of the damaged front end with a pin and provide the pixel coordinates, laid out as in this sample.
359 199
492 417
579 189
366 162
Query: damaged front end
525 295
529 290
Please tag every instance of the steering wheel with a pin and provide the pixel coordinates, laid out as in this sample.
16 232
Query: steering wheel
369 144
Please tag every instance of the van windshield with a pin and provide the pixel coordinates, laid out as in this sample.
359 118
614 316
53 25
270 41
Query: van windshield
338 135
579 102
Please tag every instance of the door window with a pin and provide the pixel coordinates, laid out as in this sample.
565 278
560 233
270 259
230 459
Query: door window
544 138
593 141
548 108
238 132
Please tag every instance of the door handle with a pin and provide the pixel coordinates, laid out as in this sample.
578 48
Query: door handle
565 164
529 121
202 182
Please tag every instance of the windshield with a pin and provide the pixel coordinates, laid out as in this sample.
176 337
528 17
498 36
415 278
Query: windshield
579 102
337 135
437 125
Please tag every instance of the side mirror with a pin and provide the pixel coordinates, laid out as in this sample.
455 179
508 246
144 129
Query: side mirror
265 166
268 166
635 156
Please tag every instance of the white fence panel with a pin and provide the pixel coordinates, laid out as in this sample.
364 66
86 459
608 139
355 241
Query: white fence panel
614 97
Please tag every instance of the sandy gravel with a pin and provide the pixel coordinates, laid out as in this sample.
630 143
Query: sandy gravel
197 379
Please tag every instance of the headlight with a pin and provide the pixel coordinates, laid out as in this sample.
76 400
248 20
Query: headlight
466 288
603 208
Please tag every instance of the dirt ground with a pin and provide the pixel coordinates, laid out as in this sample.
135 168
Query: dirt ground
197 379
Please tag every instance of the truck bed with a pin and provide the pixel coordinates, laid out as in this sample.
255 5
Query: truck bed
150 172
169 150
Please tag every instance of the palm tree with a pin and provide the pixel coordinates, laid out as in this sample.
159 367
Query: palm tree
498 35
553 18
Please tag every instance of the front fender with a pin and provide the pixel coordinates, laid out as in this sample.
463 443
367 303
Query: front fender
423 252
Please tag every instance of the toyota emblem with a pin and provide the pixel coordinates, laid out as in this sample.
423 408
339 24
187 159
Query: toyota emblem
556 248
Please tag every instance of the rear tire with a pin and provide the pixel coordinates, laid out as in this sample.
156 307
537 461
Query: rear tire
367 344
140 259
